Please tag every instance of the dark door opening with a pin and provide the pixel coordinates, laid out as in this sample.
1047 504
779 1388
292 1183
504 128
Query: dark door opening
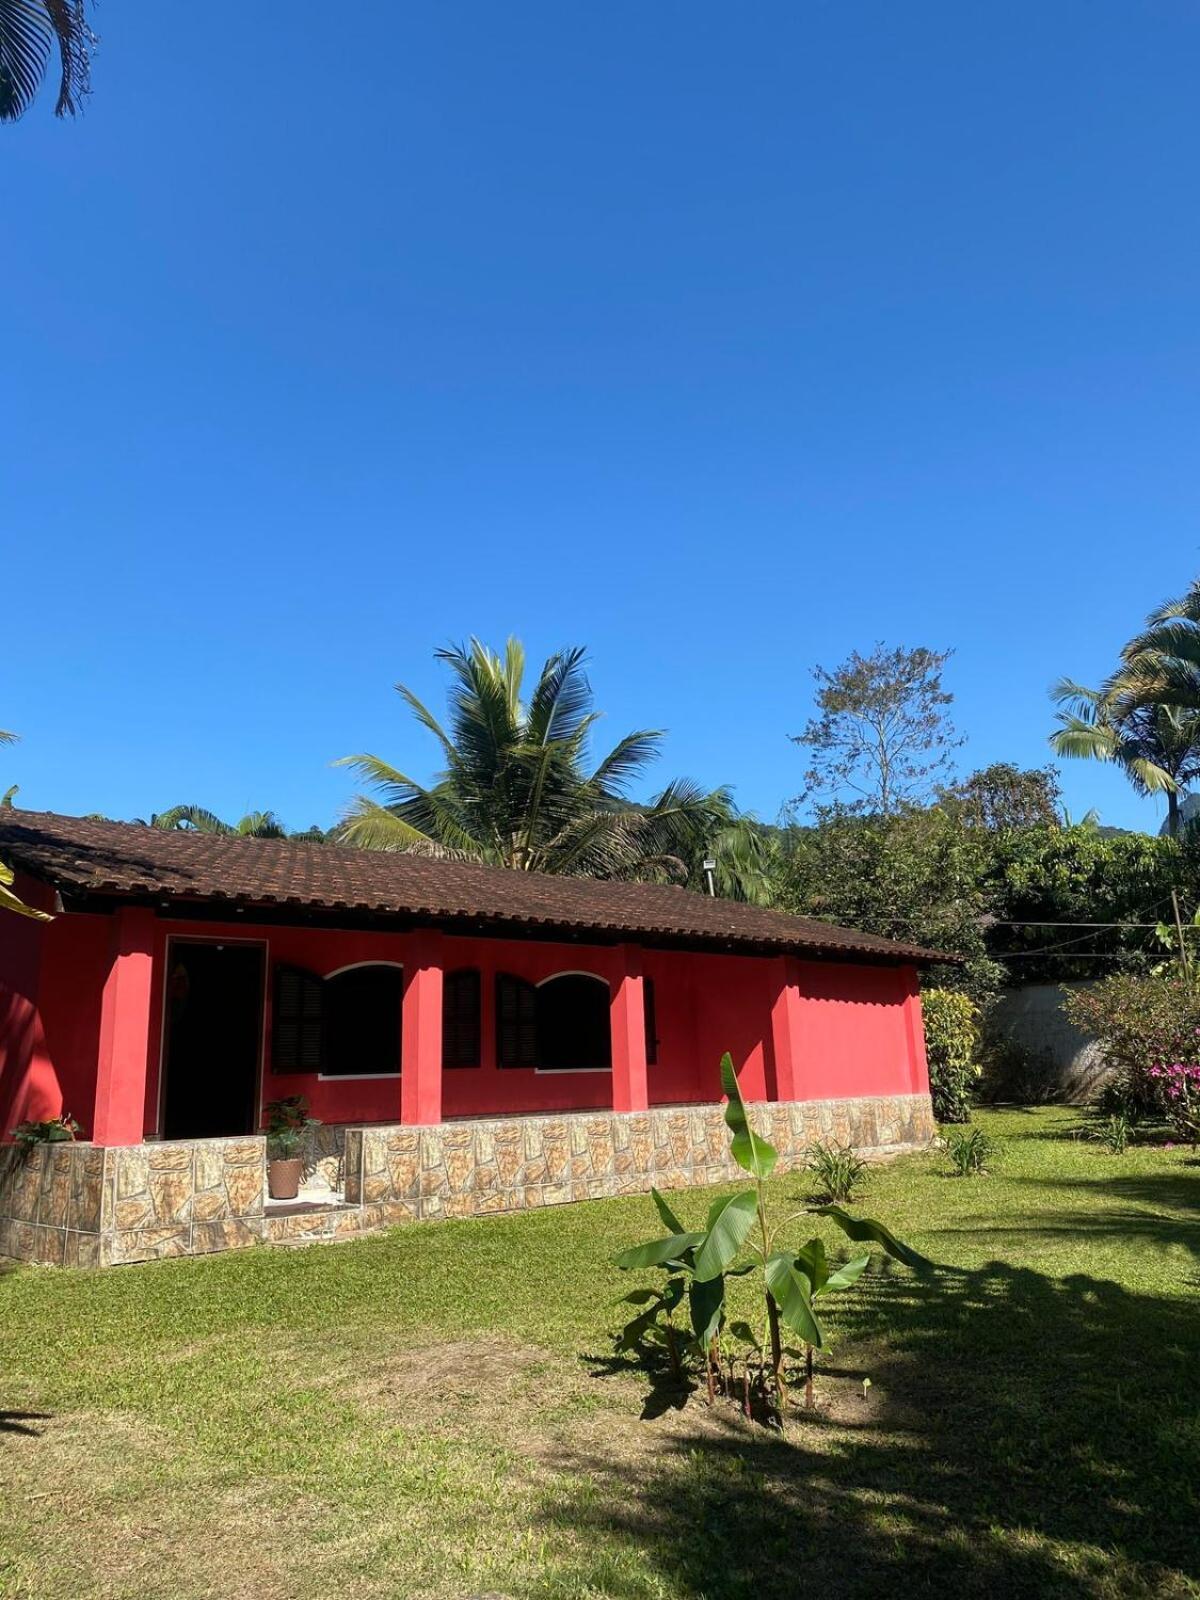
213 1039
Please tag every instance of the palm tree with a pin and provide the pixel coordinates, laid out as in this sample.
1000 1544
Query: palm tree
194 819
516 789
1157 746
746 860
29 31
1161 665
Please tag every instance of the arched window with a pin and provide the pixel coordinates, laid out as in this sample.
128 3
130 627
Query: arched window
573 1028
461 1018
362 1022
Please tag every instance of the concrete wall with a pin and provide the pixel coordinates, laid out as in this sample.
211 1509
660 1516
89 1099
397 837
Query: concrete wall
1063 1063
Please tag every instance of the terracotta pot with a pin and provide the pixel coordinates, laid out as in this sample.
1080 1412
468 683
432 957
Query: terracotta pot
283 1177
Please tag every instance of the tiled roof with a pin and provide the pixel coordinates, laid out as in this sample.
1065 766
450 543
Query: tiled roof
84 857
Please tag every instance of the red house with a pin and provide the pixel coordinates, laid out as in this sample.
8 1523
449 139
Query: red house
471 1038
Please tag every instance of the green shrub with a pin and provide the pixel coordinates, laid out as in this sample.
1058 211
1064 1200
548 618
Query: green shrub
55 1130
970 1151
839 1172
1144 1024
952 1049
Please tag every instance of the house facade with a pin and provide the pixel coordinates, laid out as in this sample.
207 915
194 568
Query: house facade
471 1039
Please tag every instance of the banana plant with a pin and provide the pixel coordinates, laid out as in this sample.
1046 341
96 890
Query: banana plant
699 1263
686 1276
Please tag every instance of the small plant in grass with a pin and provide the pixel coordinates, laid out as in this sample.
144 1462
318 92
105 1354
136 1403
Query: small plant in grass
1113 1133
840 1172
970 1151
697 1265
55 1130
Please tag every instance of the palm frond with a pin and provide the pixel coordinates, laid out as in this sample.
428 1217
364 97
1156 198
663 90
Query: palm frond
1080 740
393 785
75 42
194 817
561 699
29 30
374 827
426 718
627 760
260 825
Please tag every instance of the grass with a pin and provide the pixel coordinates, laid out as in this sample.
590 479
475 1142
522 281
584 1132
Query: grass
437 1413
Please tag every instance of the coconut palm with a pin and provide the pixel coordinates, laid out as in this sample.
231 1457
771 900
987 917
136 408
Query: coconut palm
1157 746
1161 665
30 30
516 788
194 819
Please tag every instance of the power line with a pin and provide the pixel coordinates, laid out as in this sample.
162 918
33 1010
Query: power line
999 923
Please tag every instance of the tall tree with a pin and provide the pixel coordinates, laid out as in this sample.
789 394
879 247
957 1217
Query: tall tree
1005 796
30 31
517 789
1156 745
883 735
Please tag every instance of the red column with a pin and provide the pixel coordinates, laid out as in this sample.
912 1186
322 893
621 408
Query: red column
786 1024
627 1011
914 1023
124 1058
421 1030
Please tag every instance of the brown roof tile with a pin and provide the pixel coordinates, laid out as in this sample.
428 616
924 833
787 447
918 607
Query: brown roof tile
81 856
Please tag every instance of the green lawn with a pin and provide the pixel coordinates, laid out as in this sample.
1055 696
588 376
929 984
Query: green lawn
436 1412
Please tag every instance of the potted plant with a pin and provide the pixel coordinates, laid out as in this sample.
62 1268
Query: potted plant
286 1123
55 1130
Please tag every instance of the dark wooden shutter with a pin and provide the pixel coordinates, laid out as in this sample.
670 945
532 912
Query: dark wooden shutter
516 1022
461 1018
296 1022
651 1021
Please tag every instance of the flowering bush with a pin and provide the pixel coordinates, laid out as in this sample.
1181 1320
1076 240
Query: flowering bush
1179 1093
1145 1025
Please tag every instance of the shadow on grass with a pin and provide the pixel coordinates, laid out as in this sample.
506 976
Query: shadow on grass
1031 1437
18 1422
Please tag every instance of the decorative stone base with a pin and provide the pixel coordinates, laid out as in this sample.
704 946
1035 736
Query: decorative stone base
461 1169
87 1206
83 1205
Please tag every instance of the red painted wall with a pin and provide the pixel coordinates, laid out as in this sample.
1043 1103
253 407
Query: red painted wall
860 1026
860 1031
51 976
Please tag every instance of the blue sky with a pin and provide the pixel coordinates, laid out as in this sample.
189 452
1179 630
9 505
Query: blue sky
722 339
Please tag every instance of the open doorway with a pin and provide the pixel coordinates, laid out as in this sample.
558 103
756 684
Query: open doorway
212 1039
